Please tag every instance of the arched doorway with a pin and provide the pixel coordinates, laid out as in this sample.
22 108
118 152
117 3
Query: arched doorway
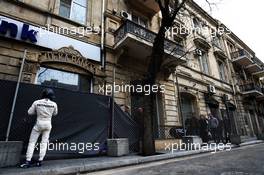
64 68
59 78
189 113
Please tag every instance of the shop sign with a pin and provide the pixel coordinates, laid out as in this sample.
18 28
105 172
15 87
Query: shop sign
26 33
22 31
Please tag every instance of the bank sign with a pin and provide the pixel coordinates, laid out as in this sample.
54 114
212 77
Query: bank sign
18 30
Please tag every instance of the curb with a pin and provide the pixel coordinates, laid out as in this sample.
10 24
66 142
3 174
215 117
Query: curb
85 166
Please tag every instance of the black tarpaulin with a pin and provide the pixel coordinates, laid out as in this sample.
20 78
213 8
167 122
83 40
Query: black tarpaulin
82 121
125 126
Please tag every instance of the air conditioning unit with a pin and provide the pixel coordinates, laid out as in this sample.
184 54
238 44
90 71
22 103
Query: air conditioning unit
125 15
198 52
211 89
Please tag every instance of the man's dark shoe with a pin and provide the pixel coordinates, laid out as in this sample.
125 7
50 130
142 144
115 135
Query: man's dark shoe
27 164
39 163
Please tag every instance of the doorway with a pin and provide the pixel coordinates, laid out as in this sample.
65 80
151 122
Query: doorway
190 113
254 122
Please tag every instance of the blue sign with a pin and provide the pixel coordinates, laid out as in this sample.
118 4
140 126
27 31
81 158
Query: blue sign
26 33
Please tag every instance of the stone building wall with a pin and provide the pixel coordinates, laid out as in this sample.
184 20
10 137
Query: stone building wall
127 69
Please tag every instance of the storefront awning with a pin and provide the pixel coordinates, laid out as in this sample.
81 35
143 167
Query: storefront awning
211 101
231 106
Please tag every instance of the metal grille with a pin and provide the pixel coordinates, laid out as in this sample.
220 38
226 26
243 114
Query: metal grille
129 27
169 132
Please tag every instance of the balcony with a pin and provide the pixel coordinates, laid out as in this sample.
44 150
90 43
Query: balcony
241 58
134 41
149 6
251 89
200 39
259 74
253 68
261 98
259 68
218 49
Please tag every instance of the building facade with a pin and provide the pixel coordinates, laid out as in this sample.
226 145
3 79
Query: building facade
83 45
56 36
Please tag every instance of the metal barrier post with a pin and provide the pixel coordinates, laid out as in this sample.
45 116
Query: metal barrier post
15 96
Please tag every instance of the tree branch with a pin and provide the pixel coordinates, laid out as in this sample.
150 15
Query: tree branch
177 9
210 4
161 6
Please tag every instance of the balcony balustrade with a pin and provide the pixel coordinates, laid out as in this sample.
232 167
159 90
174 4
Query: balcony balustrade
138 42
250 88
242 58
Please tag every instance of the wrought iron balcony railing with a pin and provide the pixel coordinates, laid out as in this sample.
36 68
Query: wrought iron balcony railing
258 62
129 27
240 53
250 86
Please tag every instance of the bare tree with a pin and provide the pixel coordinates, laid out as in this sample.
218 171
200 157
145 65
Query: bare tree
169 10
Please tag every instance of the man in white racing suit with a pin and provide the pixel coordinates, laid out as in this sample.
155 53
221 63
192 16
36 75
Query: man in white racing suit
44 109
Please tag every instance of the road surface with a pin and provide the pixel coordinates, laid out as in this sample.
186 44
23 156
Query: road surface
248 160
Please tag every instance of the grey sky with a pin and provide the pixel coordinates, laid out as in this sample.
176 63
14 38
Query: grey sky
244 18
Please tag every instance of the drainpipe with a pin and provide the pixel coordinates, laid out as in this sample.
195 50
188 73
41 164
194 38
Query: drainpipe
158 114
229 70
233 86
113 104
103 34
244 74
179 101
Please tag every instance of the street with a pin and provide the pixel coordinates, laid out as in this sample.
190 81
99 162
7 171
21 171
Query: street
247 160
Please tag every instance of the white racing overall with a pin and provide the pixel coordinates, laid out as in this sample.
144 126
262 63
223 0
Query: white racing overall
44 109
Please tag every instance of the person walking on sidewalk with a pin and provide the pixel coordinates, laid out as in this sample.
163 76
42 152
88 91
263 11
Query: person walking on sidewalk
45 109
204 128
213 124
139 118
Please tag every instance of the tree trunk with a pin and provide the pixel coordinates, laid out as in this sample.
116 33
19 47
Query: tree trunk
149 100
148 147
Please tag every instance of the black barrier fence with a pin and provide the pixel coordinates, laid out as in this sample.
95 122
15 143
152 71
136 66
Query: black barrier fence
80 128
126 127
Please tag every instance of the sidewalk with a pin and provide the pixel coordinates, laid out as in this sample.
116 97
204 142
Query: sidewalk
73 166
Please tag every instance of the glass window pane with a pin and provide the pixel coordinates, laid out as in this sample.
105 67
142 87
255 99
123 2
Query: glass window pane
205 64
221 70
78 13
196 23
201 63
81 2
66 2
65 8
61 79
56 78
206 68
